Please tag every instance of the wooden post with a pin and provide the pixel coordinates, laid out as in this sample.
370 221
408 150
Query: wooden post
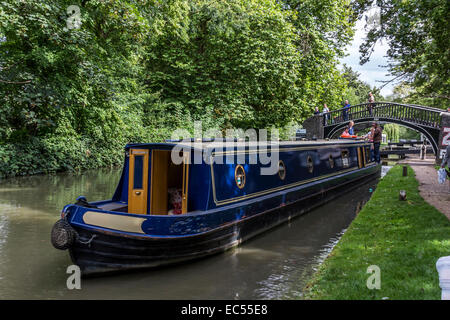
443 268
405 171
423 152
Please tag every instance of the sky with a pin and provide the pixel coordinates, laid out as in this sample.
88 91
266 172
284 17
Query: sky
371 71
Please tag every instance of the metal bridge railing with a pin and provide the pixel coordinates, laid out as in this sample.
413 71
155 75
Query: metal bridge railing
420 115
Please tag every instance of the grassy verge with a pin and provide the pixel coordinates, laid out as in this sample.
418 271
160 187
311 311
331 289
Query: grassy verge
403 238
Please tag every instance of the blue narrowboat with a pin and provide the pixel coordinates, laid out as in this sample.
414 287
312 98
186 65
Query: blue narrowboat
178 201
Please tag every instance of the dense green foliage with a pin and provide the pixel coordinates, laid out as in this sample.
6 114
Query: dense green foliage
407 93
403 238
75 89
408 134
392 132
230 64
65 92
418 33
396 132
324 28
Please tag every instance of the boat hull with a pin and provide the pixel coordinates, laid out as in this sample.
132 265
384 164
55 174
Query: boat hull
102 251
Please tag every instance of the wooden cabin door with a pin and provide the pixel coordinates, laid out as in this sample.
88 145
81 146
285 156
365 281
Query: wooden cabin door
138 181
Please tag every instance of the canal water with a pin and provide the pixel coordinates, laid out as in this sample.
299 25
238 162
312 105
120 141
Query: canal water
274 265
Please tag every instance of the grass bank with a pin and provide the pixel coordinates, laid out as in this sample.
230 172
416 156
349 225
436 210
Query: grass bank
403 238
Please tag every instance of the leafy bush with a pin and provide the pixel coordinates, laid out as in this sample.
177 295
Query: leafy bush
71 98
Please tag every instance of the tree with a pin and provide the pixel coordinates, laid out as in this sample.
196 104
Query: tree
79 79
230 64
392 132
324 27
358 90
417 33
63 87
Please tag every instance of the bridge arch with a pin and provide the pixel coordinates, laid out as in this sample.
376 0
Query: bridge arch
422 119
430 138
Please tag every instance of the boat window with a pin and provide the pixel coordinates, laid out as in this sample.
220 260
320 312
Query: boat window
281 170
309 164
331 161
138 176
239 176
345 160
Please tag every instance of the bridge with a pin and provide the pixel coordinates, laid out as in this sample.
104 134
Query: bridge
433 123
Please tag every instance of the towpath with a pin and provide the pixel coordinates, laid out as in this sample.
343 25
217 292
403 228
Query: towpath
436 194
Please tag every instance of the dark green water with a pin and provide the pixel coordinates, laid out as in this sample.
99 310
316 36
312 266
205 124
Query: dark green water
274 265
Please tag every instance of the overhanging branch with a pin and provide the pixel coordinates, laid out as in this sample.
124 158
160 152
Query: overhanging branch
15 82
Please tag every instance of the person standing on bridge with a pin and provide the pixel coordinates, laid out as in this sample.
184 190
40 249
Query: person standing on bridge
345 110
446 162
371 105
316 111
377 137
325 112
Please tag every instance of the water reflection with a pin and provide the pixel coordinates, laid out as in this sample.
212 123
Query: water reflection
274 265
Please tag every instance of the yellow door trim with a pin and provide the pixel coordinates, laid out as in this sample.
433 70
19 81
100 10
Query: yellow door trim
184 203
137 198
364 156
360 159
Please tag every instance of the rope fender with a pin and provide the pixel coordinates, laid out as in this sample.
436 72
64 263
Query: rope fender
63 236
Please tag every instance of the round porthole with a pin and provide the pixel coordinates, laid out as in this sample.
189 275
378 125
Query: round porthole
239 176
331 161
281 170
309 164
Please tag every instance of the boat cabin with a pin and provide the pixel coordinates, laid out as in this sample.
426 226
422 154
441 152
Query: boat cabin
155 184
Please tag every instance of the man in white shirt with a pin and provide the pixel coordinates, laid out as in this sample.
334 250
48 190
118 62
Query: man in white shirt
325 112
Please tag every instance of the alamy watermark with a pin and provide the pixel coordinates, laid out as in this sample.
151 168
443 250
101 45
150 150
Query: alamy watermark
74 19
238 146
74 280
374 281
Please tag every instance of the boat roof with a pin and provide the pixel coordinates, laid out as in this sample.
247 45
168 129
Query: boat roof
203 145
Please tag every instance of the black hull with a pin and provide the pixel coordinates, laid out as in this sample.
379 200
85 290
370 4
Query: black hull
109 252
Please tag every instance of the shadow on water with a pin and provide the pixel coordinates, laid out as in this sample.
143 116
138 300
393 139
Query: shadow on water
274 265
